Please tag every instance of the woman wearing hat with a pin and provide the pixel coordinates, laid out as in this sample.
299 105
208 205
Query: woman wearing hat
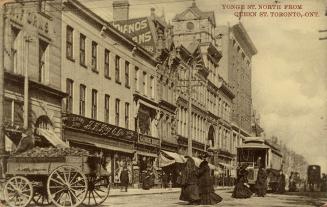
242 189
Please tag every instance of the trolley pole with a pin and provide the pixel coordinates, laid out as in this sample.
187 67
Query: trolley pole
189 126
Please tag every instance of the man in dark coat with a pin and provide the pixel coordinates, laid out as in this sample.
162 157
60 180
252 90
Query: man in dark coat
261 182
281 182
124 178
26 143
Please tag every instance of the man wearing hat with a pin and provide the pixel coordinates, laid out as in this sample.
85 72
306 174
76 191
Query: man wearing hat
26 143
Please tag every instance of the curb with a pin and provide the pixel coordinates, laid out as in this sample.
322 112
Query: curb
156 193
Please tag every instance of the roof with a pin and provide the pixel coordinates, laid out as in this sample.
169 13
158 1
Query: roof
197 13
254 145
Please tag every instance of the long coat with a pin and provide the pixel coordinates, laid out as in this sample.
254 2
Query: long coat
261 183
124 179
241 190
206 189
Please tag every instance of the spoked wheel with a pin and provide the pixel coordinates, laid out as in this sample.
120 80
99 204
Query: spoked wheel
67 186
98 190
41 197
18 191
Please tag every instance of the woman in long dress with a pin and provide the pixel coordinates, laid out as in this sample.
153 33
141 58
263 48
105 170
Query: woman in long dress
281 183
261 183
206 189
241 189
189 181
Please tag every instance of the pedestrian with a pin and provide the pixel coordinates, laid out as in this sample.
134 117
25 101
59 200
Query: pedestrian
189 182
26 142
124 178
148 178
281 183
292 183
164 179
323 186
206 189
261 182
242 188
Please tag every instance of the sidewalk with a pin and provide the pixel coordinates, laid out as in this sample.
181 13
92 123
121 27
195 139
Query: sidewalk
137 191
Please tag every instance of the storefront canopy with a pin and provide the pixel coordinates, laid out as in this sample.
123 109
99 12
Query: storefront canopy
177 157
52 137
227 166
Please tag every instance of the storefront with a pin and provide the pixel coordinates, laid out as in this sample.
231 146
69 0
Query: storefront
116 144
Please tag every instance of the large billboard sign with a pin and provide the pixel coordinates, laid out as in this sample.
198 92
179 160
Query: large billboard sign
139 30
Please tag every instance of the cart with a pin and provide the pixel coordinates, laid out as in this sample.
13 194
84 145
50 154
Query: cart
63 181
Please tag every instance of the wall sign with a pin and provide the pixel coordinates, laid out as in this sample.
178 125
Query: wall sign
80 123
144 139
139 30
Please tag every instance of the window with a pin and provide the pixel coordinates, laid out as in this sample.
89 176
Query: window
82 49
69 42
15 48
117 112
43 46
117 69
127 74
152 86
137 87
94 105
106 63
144 83
69 90
94 56
106 108
126 115
82 90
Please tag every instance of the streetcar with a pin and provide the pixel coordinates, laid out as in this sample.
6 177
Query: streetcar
256 152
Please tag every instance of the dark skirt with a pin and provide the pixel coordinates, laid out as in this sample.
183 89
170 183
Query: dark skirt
210 198
261 189
190 193
241 191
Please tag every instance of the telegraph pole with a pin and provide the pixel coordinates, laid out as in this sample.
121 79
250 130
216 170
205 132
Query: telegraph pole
189 126
2 68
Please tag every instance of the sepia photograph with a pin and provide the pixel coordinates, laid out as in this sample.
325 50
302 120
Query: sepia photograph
163 103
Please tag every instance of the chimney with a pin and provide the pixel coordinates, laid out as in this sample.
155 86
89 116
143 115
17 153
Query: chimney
153 12
120 10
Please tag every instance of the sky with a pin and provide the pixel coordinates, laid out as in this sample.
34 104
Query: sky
289 71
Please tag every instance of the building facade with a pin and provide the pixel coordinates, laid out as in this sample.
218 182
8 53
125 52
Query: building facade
212 96
236 66
112 104
32 71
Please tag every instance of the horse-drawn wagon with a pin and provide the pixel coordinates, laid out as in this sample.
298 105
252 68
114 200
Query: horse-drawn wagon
69 178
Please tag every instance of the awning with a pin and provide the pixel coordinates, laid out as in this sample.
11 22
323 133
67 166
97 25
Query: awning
147 154
113 148
52 137
198 162
164 161
177 157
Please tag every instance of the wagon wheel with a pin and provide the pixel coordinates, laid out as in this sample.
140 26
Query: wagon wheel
98 190
18 191
67 186
41 197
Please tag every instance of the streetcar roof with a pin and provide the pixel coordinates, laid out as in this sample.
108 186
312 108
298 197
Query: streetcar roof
254 145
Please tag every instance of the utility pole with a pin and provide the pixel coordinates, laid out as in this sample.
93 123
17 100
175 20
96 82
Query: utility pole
189 126
28 39
2 47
